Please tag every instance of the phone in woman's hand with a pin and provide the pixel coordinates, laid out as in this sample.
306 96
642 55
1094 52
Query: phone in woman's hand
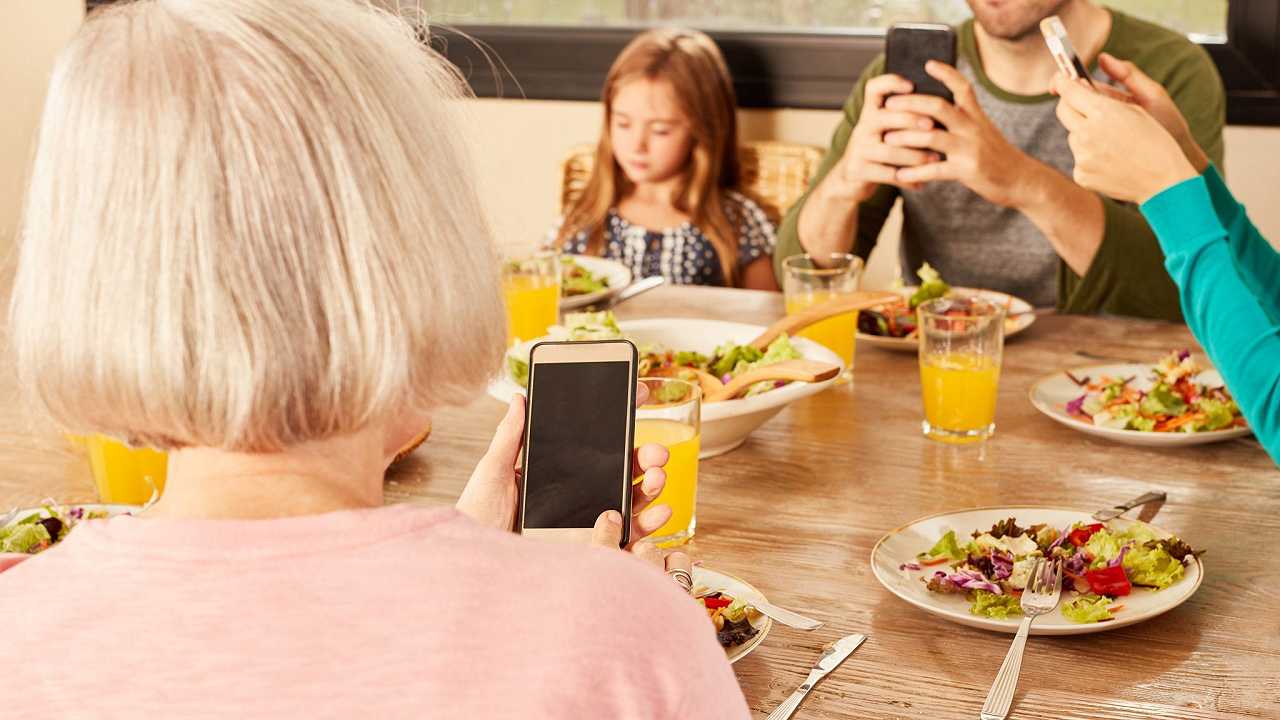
578 438
1064 53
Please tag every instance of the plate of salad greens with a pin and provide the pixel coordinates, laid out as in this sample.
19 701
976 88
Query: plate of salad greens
29 531
587 279
686 347
893 326
971 567
1173 402
727 600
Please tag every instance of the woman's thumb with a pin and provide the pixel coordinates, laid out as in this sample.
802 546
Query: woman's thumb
1134 80
608 530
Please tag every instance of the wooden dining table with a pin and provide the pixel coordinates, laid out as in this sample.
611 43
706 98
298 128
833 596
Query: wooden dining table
798 508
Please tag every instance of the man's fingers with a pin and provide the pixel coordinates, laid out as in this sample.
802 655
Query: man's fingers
939 140
607 531
956 83
878 88
945 170
934 107
888 154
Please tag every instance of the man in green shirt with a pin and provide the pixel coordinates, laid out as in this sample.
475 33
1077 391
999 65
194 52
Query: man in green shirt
988 197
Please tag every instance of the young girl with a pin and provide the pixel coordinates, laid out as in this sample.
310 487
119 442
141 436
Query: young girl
659 200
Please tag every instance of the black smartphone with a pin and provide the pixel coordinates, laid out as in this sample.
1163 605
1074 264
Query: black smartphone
910 45
579 431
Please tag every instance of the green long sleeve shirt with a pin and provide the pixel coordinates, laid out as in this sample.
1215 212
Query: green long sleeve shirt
973 242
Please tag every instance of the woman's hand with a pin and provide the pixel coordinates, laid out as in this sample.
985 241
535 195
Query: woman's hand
490 495
608 534
1120 150
1151 96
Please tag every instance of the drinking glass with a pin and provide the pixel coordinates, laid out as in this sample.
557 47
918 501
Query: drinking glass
672 417
531 286
961 347
125 474
811 280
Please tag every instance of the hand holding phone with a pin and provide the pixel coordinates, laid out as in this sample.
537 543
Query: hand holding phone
578 438
1064 53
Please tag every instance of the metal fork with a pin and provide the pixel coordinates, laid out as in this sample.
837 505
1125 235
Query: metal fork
1044 588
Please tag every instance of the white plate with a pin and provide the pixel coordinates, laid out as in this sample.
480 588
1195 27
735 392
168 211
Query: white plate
1051 394
736 588
902 545
7 559
616 276
725 425
1012 327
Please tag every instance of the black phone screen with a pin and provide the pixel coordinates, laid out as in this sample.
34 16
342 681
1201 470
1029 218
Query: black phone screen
909 47
578 453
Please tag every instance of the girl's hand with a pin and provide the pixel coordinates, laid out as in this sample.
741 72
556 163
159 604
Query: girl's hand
1151 96
490 495
1120 150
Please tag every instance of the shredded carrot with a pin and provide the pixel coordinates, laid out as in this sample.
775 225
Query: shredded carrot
934 561
1175 423
1116 608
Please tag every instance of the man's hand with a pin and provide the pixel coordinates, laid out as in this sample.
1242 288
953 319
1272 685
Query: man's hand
977 155
868 160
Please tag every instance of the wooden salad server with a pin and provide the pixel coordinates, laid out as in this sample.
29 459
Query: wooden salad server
788 370
791 324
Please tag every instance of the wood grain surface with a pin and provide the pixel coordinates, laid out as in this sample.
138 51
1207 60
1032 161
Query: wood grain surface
797 509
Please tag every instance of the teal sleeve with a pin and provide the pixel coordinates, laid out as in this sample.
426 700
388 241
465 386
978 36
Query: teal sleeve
1239 335
1256 260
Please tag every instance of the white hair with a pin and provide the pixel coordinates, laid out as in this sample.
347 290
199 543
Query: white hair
251 223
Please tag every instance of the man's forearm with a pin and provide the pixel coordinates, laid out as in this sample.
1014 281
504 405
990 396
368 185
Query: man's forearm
829 219
1071 217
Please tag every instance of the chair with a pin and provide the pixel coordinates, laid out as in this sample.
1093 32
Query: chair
773 174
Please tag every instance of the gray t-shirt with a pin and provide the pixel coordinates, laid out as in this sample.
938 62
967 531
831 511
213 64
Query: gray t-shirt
974 243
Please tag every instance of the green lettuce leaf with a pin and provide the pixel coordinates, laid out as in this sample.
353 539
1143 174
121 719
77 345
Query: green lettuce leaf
948 546
1218 415
518 368
1152 567
989 604
1162 400
1104 547
23 538
1087 609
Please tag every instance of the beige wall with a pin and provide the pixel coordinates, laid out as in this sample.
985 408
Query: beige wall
32 34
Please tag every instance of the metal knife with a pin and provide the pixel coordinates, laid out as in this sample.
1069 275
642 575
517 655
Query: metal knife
1117 511
785 616
628 292
832 656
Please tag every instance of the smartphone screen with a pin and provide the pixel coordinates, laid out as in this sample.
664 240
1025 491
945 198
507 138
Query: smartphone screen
578 438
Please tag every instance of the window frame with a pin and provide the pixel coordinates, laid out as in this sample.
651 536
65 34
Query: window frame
810 69
804 69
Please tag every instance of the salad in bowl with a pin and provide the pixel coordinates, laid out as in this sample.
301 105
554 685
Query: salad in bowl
705 350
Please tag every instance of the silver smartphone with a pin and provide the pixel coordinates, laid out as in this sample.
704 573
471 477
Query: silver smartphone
579 431
1064 53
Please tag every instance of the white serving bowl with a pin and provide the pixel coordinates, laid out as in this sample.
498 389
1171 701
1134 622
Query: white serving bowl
725 424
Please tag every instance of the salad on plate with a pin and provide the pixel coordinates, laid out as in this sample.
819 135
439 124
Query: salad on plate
729 615
1102 564
728 361
44 528
898 319
1175 401
575 279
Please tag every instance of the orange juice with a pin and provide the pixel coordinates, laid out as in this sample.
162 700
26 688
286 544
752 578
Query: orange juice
681 493
533 304
838 334
124 474
959 391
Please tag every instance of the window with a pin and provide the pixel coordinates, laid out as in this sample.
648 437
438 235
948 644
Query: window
1194 17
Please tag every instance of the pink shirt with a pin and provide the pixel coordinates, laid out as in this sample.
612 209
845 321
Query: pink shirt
393 612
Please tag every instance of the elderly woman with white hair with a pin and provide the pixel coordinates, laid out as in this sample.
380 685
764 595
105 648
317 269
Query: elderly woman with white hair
251 239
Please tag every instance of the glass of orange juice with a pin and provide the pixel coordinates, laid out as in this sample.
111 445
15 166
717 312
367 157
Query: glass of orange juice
531 286
811 280
672 417
961 348
125 474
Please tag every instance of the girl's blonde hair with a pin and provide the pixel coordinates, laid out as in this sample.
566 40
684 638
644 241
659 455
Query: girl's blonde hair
250 224
693 65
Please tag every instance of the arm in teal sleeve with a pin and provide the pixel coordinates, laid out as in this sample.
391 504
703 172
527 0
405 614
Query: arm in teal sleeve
1241 338
1256 260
